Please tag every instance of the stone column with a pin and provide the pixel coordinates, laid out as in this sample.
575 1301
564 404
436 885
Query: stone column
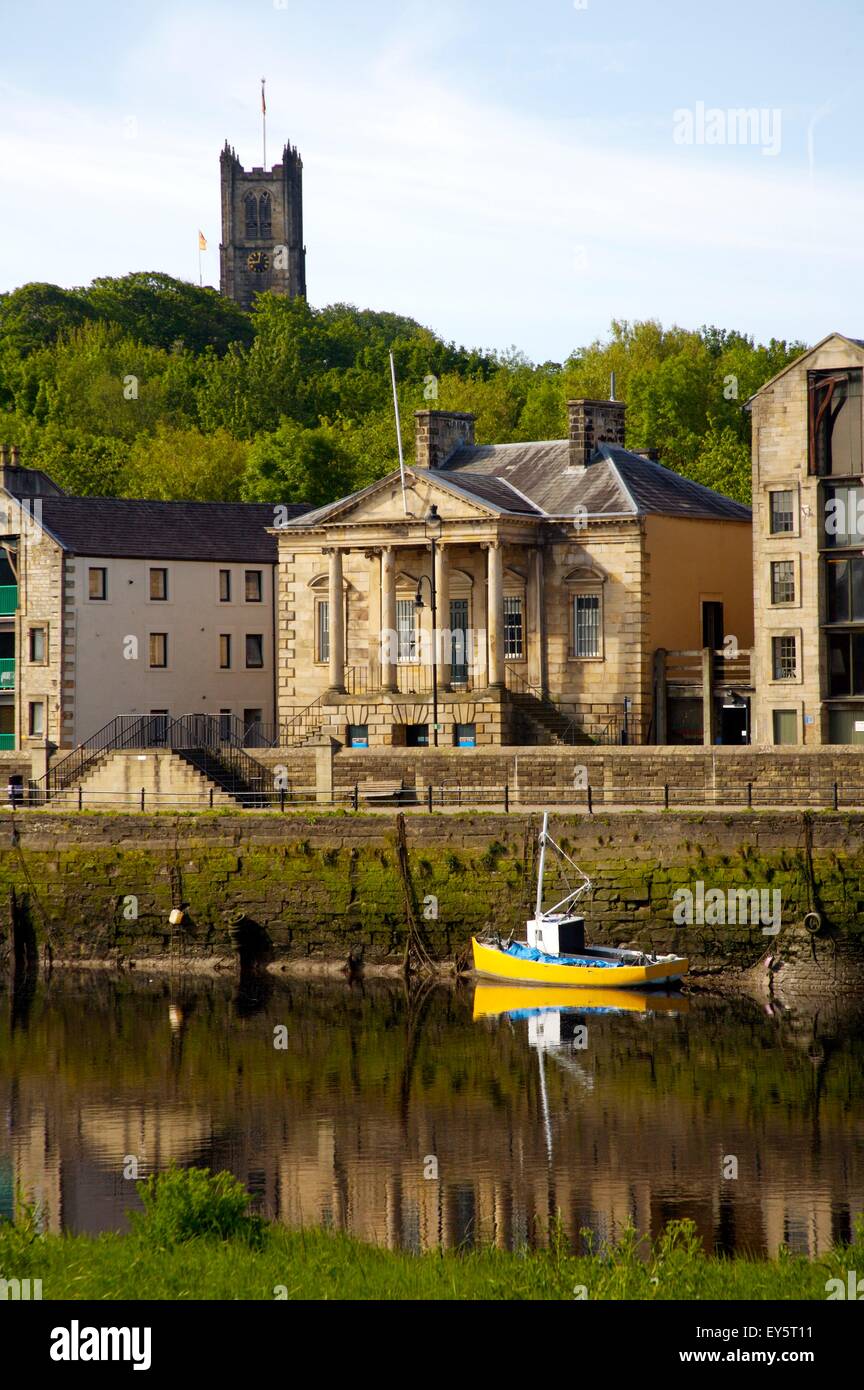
442 596
337 624
495 613
389 672
535 636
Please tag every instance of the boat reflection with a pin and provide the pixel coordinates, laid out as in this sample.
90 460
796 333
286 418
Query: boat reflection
557 1026
523 1001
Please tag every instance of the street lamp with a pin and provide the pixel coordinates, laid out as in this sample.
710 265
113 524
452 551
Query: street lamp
433 526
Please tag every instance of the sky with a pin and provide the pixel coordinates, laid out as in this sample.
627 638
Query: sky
510 174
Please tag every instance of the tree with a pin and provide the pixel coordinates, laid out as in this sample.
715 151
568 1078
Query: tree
295 464
160 311
184 464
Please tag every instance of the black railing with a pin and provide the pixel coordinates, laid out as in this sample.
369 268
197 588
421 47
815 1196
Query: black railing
214 745
124 731
560 722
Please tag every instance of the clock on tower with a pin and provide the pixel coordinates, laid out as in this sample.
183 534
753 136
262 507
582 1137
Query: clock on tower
262 229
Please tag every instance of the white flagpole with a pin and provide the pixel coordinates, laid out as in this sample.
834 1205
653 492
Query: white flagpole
264 118
399 433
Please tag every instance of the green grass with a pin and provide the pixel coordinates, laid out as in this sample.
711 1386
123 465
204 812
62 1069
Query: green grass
196 1240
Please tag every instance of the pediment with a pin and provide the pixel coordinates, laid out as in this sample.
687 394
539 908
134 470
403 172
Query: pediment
383 502
586 574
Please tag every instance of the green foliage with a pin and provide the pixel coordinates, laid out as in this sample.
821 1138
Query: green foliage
291 403
307 1265
192 1203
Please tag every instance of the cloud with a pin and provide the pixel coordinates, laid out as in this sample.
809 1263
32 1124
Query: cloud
490 222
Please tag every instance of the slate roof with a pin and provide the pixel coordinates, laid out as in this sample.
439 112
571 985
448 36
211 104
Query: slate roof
616 482
117 527
537 480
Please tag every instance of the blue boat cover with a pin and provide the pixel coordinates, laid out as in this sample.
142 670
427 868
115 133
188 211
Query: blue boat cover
523 952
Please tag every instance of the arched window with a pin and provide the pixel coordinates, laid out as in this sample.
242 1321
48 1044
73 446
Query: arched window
264 218
250 205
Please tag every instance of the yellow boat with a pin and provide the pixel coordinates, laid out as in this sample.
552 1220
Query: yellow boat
555 952
497 964
492 1000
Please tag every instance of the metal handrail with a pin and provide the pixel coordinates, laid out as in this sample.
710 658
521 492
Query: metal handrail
208 736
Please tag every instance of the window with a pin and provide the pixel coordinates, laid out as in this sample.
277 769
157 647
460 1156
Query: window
224 586
97 580
844 517
322 626
225 651
845 589
783 659
225 725
783 581
254 586
265 215
846 725
465 735
406 629
835 444
158 726
158 649
36 719
38 646
254 651
358 735
845 663
250 209
159 585
513 645
785 722
458 640
586 625
782 512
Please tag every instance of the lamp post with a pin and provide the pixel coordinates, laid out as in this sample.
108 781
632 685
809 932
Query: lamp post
433 526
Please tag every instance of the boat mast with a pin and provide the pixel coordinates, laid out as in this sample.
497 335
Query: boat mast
538 913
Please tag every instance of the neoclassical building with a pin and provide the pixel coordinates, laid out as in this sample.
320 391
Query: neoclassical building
558 570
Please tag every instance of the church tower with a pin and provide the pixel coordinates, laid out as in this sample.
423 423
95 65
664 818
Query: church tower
262 228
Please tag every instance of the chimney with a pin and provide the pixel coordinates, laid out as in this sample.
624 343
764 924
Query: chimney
439 434
593 423
14 455
2 456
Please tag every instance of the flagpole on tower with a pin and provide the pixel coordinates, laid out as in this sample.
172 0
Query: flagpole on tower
264 119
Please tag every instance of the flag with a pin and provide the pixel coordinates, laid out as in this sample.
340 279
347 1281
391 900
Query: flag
263 99
202 242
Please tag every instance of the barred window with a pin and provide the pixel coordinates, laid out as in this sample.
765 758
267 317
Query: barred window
783 581
406 628
784 659
586 625
782 512
323 626
513 641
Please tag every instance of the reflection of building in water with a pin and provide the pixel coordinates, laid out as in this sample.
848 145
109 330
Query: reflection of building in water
625 1150
355 1172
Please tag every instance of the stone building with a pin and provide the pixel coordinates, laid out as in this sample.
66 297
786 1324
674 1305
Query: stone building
808 537
118 607
560 570
262 229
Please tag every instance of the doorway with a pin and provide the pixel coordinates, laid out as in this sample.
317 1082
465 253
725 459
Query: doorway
713 633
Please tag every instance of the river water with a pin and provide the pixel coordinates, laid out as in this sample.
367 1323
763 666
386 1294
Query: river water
456 1116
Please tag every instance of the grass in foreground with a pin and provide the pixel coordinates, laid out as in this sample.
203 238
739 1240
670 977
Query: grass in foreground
197 1240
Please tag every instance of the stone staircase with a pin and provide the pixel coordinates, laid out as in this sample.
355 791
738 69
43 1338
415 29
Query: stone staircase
117 780
212 769
539 721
